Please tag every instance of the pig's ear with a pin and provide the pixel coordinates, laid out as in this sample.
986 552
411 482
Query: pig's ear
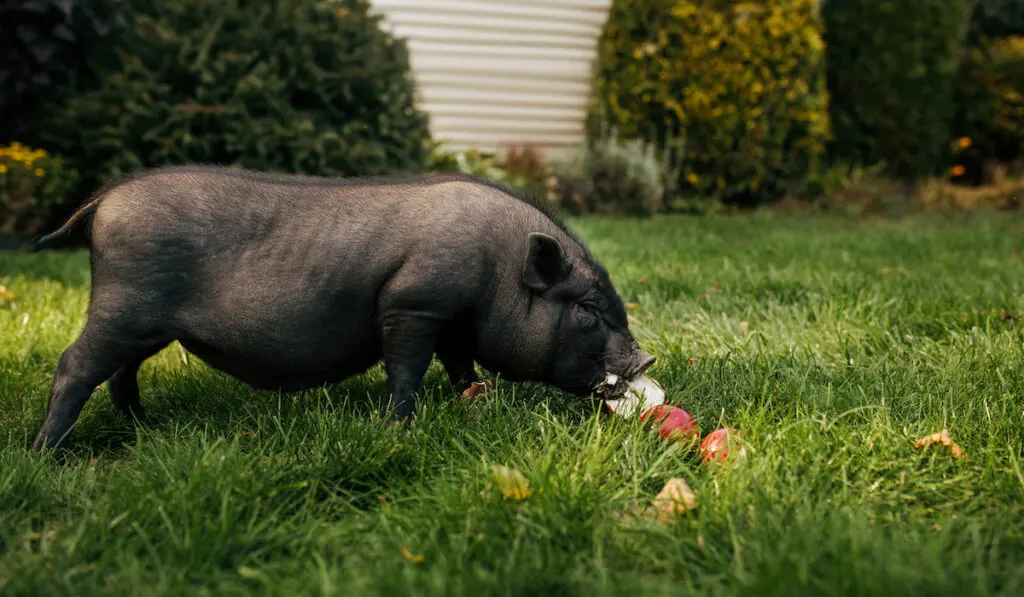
545 262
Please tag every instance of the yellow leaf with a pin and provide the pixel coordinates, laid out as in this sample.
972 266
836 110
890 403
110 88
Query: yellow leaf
6 295
512 483
408 555
674 499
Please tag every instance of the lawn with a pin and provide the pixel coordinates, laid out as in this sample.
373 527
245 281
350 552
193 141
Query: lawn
831 344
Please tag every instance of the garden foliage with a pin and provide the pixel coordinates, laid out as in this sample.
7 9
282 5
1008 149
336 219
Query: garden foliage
33 183
299 86
742 83
521 168
49 48
996 18
990 104
891 69
612 176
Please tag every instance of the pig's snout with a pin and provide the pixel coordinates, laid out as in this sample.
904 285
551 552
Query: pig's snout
614 384
643 363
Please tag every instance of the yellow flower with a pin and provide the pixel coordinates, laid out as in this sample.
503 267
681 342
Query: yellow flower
957 170
964 142
40 172
692 178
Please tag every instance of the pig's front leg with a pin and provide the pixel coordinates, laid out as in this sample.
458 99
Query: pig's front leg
453 350
408 342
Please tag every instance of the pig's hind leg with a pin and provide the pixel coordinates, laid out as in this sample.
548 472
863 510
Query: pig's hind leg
124 388
105 347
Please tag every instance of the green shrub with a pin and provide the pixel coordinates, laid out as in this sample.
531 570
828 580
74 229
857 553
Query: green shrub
49 47
472 162
527 165
300 86
996 18
742 83
524 170
33 183
989 121
611 176
891 68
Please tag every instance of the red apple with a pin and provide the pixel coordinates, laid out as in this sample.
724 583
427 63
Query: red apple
675 423
716 445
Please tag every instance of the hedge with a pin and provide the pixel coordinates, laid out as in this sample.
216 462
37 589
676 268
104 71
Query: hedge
996 19
49 48
891 69
989 123
300 86
739 85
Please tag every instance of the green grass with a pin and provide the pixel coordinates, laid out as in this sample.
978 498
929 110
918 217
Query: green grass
832 345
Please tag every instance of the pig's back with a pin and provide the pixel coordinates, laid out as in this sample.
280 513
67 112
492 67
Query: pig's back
263 275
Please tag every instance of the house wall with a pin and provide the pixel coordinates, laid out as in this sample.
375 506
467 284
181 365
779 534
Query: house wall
494 73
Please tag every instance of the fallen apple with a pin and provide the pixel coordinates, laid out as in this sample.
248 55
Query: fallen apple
675 424
716 445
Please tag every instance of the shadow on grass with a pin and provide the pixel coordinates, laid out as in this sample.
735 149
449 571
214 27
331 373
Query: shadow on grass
222 406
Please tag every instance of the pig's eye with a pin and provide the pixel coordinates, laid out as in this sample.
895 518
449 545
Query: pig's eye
586 314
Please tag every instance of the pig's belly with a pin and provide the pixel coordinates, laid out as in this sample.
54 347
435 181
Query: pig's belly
282 352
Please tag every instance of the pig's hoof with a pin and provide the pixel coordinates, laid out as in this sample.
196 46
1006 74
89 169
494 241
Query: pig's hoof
47 445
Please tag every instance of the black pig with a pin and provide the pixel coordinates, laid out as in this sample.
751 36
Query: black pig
291 282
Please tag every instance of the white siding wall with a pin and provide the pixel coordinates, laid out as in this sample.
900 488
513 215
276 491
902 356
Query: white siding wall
494 73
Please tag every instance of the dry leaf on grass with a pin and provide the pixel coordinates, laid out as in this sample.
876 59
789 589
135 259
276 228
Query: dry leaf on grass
708 293
6 295
942 437
512 483
33 539
674 499
408 555
477 388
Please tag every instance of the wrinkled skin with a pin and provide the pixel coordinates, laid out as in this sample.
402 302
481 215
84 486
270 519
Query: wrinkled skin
294 282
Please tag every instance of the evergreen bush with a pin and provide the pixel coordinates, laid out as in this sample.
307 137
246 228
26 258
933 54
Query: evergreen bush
299 86
891 70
